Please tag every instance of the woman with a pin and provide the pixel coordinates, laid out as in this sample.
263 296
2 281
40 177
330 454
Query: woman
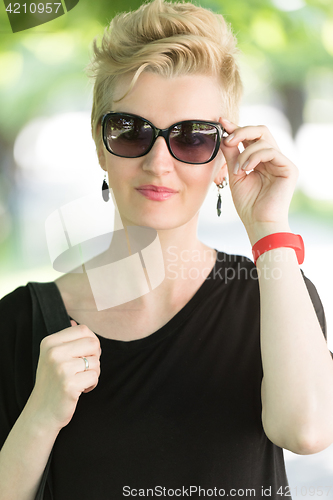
194 388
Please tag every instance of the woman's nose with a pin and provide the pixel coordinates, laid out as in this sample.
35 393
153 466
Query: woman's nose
159 159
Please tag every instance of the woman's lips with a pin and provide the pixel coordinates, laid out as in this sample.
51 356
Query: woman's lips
156 195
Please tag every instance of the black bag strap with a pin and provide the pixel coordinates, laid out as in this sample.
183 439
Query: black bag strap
49 316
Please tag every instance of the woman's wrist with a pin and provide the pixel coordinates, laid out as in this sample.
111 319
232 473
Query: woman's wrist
25 453
260 230
38 421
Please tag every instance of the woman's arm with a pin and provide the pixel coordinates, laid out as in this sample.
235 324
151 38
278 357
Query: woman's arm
297 387
24 455
61 378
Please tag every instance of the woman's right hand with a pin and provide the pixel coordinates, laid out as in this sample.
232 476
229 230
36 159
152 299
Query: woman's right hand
61 377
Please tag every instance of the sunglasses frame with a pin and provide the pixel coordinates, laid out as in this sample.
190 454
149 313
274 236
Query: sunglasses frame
158 132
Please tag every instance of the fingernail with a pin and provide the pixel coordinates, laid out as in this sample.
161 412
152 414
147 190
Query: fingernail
225 120
245 164
229 138
236 167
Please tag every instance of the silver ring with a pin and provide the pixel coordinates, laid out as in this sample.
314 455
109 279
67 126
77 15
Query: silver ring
86 364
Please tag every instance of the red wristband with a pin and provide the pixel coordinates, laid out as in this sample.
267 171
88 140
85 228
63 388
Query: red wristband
278 240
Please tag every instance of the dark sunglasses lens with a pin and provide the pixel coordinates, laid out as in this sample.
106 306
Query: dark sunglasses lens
128 136
193 142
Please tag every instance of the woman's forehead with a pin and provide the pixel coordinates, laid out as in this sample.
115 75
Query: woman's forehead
179 97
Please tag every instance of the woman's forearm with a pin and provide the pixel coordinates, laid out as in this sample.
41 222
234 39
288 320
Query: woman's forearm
297 388
24 455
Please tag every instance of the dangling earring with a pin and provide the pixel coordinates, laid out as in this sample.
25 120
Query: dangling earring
219 200
105 190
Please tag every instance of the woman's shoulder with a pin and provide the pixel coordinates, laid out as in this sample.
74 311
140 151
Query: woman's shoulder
17 300
15 320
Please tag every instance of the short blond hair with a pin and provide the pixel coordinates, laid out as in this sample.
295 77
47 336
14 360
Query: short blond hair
170 39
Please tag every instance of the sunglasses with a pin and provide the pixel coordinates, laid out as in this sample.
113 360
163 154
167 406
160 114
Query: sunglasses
189 141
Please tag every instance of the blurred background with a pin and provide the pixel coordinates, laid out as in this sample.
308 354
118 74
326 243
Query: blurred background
47 155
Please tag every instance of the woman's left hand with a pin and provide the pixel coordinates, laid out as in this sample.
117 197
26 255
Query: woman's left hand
263 196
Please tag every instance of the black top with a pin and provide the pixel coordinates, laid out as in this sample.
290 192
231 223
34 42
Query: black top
179 408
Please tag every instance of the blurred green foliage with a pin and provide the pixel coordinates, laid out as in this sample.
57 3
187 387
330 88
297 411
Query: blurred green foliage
311 208
42 73
42 69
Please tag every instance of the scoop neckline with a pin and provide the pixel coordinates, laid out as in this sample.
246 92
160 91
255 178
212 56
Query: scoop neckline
168 328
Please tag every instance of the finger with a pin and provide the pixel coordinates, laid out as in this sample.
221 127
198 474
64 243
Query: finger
86 381
250 150
73 323
279 163
250 133
88 389
230 153
68 334
79 365
88 346
228 126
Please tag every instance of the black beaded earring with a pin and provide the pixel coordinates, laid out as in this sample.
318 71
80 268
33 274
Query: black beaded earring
219 200
105 190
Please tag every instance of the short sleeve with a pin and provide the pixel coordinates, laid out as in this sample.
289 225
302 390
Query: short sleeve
317 304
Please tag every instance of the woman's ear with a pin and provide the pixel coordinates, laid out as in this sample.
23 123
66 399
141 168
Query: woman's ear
222 172
101 156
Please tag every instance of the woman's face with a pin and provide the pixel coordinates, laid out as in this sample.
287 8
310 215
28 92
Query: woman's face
164 101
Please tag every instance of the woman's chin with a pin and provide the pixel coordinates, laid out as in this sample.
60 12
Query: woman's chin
156 221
